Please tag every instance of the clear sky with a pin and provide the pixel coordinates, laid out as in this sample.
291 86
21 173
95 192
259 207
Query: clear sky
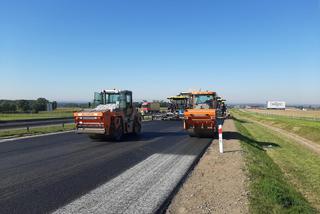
247 51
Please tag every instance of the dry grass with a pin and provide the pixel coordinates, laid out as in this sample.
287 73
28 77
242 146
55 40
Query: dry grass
304 127
312 114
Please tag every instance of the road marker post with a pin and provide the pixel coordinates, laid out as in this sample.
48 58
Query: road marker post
220 139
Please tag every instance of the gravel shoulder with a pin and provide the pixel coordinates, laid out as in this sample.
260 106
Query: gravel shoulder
218 183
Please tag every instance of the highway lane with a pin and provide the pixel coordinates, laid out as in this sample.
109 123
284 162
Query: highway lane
70 173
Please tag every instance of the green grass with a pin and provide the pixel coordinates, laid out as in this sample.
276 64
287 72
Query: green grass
305 115
284 178
35 131
305 128
58 113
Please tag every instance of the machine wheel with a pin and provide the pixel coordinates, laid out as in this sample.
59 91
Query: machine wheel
117 133
192 133
137 127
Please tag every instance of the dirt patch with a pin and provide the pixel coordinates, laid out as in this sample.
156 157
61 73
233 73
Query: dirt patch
296 128
218 184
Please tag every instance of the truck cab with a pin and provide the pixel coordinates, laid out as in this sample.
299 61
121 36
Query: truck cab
150 108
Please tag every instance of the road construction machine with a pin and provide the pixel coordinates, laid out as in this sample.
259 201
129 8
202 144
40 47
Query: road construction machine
200 119
150 108
221 108
113 116
178 104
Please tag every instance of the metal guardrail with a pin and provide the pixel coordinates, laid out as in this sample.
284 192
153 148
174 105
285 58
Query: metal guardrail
146 117
34 122
16 124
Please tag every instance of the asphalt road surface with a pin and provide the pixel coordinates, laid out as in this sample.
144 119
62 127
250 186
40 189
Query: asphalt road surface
70 173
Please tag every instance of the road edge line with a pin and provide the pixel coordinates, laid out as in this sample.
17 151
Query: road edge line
33 136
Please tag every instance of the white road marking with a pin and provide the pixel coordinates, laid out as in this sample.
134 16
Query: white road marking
33 136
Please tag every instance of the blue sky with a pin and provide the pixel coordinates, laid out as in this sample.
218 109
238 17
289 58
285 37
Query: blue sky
247 51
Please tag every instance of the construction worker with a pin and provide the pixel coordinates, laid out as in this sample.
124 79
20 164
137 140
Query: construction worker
224 109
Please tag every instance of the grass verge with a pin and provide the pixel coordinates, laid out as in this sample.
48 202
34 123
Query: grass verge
58 113
291 113
272 190
35 131
302 127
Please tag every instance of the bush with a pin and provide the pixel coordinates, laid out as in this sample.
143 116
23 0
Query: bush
23 105
8 107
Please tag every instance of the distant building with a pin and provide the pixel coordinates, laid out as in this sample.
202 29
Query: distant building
276 105
49 106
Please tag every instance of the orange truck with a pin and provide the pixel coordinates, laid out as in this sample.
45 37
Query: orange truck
113 116
200 119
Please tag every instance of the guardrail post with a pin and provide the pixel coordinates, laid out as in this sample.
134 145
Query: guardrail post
220 139
62 125
28 128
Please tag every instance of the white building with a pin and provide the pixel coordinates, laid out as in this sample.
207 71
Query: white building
276 105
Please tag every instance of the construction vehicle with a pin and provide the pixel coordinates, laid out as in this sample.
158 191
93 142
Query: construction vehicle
222 112
178 104
113 116
150 108
200 119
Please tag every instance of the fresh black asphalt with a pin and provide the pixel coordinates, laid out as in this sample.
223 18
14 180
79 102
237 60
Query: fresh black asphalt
43 174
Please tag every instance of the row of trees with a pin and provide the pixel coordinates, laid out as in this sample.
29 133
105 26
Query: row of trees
25 106
74 105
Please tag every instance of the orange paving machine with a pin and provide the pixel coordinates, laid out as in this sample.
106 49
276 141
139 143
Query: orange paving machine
200 118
